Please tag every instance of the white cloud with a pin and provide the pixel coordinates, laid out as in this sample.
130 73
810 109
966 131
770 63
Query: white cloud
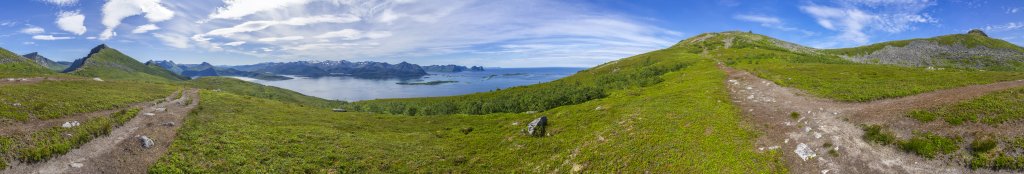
61 2
252 26
33 30
238 43
1012 10
116 10
286 38
175 41
236 9
1005 27
71 21
854 19
145 28
411 30
50 37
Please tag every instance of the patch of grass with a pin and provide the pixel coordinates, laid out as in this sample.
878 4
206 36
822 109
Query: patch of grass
995 108
863 82
677 126
929 145
922 116
833 152
794 115
983 144
874 133
56 99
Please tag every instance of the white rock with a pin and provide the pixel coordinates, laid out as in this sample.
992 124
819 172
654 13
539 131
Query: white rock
146 142
149 114
749 88
97 79
817 135
76 165
161 109
804 152
824 171
70 124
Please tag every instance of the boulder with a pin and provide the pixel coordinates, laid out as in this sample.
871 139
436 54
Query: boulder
537 126
146 142
804 151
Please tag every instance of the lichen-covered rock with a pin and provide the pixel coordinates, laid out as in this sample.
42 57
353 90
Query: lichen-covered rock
537 126
923 53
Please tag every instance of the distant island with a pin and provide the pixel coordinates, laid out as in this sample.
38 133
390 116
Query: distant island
436 82
451 68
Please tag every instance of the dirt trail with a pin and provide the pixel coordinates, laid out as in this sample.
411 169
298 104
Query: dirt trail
121 151
822 121
33 125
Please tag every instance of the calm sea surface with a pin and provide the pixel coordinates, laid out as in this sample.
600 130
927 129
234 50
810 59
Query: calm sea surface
356 89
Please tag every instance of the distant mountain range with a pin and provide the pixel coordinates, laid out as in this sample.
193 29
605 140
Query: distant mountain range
206 69
45 62
337 68
451 68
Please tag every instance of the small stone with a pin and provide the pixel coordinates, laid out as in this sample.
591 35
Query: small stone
161 109
804 152
531 112
599 108
577 168
146 142
168 124
149 114
16 104
76 165
97 79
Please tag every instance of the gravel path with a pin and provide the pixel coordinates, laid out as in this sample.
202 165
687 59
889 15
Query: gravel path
825 138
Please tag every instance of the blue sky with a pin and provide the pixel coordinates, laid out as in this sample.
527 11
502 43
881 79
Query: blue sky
505 33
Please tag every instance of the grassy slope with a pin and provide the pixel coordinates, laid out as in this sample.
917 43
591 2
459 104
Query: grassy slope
828 76
967 40
55 99
112 64
17 66
862 82
679 125
241 87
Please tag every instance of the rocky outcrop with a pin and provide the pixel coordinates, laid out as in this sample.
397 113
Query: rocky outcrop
46 62
923 53
977 32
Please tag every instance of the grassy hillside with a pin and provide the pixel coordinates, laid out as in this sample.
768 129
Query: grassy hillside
56 99
633 72
109 63
13 65
679 125
240 87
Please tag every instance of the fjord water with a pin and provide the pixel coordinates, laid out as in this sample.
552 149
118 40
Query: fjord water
348 88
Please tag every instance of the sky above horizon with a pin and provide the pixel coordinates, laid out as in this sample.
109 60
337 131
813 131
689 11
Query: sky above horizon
492 33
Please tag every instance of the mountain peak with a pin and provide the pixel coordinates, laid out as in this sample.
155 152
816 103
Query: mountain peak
977 32
736 39
98 48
